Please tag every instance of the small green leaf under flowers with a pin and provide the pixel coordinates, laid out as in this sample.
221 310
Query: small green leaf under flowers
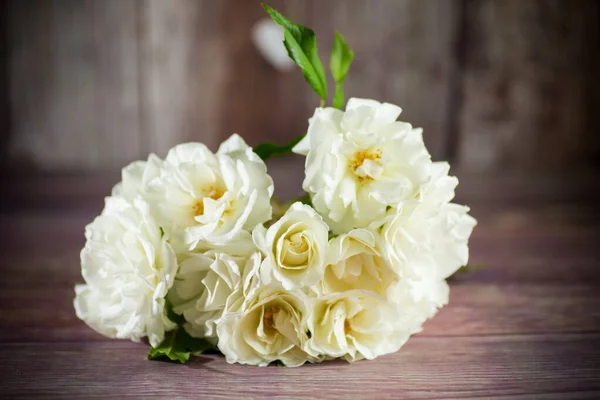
178 319
268 150
178 345
339 63
301 44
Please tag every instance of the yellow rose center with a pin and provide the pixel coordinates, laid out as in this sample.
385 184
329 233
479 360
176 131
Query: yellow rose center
211 193
347 327
295 250
269 318
298 243
358 159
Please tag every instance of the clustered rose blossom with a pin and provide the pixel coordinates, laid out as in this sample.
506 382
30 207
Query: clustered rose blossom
350 275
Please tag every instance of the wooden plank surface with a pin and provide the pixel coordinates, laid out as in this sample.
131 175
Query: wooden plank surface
527 326
446 368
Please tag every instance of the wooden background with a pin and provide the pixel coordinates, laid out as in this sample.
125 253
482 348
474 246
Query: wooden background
94 84
506 89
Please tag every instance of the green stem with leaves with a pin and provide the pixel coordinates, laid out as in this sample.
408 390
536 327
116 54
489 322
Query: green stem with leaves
301 44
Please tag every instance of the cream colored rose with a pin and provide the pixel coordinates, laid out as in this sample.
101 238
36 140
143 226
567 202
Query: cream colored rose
271 326
203 286
201 197
128 268
417 301
427 237
360 162
295 247
356 261
136 176
354 325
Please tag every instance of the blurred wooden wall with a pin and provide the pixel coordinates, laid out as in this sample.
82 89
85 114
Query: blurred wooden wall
94 84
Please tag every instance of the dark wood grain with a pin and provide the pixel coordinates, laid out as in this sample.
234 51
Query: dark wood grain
444 367
74 68
526 326
527 83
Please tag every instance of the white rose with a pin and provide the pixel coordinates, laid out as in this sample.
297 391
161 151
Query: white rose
271 326
211 197
417 301
428 237
360 162
295 247
128 268
356 261
136 176
203 286
354 325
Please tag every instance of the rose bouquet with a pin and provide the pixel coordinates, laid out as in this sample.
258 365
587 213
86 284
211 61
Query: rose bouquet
189 254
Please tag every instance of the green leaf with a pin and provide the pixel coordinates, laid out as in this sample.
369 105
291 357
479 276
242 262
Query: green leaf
268 150
341 58
304 199
193 345
276 363
178 319
168 349
178 346
339 63
301 44
338 98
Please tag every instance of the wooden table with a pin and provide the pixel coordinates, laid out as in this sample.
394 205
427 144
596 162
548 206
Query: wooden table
527 326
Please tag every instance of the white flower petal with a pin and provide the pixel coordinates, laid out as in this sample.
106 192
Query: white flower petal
128 268
202 198
271 326
361 162
295 247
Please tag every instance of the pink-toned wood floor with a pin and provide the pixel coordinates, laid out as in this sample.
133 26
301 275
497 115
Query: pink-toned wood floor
527 326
